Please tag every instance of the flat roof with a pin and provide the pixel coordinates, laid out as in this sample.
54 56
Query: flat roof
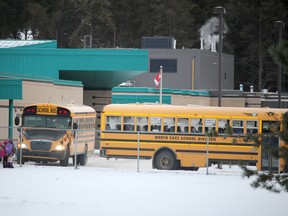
27 43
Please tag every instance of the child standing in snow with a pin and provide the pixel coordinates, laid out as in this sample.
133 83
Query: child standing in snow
2 151
9 152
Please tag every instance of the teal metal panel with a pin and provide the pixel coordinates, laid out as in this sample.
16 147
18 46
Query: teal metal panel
10 89
125 98
141 90
109 67
164 90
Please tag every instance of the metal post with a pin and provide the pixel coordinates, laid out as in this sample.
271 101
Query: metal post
207 155
21 146
10 129
220 10
138 151
280 25
279 145
75 152
161 82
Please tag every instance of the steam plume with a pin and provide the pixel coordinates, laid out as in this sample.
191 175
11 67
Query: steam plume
210 32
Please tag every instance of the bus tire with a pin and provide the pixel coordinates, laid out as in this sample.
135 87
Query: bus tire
65 161
165 160
82 159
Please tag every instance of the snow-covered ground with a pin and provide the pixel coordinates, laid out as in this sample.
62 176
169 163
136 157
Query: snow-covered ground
114 187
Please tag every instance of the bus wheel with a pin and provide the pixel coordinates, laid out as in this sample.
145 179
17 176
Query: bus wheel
165 160
65 161
82 159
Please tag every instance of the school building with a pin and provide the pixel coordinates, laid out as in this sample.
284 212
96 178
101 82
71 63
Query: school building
38 71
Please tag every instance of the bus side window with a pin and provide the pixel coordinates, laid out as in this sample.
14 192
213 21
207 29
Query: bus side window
237 126
186 128
145 128
128 127
210 125
222 124
193 130
107 127
138 128
196 125
270 126
182 123
251 127
113 121
155 128
118 127
166 129
155 123
171 129
170 123
142 123
128 123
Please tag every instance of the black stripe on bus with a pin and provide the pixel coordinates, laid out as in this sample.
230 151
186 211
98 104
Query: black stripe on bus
217 152
127 156
178 142
182 151
171 133
127 149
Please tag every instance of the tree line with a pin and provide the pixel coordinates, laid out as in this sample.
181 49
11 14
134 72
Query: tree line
249 32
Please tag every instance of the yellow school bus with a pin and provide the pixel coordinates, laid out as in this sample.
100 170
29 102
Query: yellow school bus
48 133
178 136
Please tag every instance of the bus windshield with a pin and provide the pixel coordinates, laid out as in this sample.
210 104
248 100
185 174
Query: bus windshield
42 121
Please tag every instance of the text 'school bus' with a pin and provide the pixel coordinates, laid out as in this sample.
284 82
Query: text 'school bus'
48 135
176 136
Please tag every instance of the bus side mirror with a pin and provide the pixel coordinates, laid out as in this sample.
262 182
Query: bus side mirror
17 120
75 126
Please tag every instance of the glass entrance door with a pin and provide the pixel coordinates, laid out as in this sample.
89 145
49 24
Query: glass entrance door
270 143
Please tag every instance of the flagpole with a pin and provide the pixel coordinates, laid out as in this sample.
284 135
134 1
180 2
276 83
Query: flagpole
161 81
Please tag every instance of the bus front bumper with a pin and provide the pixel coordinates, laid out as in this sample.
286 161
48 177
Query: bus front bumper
37 156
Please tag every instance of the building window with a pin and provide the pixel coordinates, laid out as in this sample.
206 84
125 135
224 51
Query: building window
169 65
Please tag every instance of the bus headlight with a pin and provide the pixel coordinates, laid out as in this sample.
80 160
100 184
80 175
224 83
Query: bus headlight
59 147
23 145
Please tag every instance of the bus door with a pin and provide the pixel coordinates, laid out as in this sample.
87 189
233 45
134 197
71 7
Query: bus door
269 144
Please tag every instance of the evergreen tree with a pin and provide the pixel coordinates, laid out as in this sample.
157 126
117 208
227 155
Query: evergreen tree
252 32
271 181
12 18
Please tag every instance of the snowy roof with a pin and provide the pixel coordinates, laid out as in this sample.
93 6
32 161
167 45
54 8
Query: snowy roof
21 43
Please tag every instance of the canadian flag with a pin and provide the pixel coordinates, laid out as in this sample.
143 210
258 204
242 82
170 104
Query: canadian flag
157 79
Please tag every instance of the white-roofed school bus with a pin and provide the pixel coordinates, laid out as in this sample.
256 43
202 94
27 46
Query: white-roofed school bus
182 136
48 133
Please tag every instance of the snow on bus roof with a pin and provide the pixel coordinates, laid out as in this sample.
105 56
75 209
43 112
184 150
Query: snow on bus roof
189 110
76 108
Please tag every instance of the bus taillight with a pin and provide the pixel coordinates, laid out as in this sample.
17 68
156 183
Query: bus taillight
63 112
30 110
